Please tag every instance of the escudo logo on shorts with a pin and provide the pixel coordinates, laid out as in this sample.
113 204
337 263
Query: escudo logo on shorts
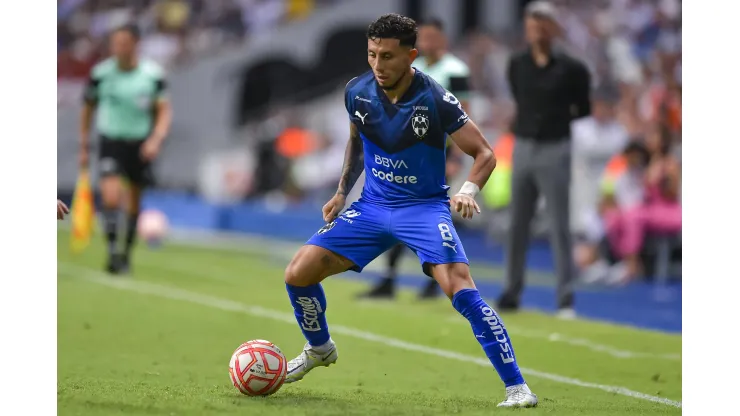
327 227
420 124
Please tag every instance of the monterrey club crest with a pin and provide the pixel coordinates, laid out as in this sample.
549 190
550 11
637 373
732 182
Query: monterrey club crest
327 227
420 124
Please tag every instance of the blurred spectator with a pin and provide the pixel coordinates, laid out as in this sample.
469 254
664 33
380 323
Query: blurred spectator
622 186
165 44
661 100
317 171
76 61
641 198
172 30
299 9
260 15
596 139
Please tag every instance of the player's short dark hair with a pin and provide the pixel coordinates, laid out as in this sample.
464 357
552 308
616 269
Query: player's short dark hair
394 26
131 29
434 22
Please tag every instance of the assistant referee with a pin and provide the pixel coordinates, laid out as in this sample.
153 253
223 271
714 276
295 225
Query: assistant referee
551 89
133 119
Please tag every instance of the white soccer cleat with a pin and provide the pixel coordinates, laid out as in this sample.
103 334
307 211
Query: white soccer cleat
518 396
309 359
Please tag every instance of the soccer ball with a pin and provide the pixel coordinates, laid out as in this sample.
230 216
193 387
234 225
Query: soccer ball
152 227
258 368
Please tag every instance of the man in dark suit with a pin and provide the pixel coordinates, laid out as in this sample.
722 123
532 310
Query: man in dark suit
551 89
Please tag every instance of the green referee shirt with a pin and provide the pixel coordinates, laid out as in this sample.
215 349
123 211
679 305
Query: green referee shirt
450 72
125 100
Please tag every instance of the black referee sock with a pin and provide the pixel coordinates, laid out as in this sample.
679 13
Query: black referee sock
110 219
133 219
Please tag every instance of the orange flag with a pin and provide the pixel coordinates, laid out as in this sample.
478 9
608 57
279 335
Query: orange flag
83 213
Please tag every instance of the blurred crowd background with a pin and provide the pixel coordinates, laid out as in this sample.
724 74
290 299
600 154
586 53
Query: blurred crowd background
259 116
174 32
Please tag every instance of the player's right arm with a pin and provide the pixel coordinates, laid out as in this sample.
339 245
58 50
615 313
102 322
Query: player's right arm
88 109
351 171
353 161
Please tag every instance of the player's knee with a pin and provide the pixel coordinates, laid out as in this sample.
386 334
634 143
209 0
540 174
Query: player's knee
292 273
110 192
453 278
301 271
459 281
312 264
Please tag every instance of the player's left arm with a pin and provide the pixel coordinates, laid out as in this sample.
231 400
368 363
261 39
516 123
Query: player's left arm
466 135
471 141
459 82
162 120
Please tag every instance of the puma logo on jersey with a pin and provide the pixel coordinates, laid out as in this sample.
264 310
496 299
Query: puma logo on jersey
452 246
361 117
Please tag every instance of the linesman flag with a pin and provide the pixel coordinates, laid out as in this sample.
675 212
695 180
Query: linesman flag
83 213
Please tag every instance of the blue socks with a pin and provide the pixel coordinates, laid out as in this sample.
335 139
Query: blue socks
490 332
309 306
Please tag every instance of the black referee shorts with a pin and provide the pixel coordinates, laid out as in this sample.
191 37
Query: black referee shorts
123 158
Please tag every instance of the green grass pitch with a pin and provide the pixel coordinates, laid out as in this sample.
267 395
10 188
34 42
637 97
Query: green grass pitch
158 343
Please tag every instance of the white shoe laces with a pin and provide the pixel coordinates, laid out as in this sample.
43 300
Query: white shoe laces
516 393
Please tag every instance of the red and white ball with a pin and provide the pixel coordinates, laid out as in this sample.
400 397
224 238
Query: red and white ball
258 368
152 226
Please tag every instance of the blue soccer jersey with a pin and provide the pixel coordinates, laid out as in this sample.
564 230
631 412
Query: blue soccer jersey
405 195
404 143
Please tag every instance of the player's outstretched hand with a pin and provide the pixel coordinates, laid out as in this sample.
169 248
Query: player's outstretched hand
465 205
62 210
333 207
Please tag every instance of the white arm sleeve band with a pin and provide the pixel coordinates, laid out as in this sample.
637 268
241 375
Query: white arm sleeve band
469 188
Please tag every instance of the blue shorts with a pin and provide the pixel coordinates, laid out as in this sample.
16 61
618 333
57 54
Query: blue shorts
366 230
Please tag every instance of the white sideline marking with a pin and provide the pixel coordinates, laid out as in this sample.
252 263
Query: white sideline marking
174 293
219 274
582 342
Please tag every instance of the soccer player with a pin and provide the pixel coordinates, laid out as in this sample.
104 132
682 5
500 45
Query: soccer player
399 121
452 74
133 119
